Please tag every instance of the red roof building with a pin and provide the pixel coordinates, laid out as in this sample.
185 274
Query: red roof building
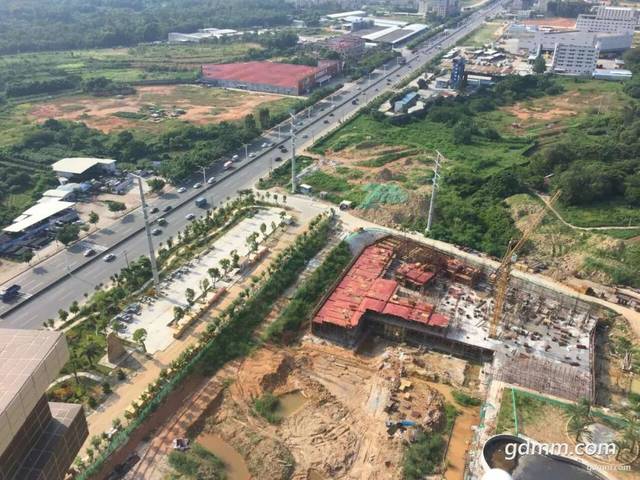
271 77
363 289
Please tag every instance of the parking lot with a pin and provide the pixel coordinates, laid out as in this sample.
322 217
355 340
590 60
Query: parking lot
155 316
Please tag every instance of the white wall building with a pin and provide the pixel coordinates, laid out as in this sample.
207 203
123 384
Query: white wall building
574 59
608 20
532 39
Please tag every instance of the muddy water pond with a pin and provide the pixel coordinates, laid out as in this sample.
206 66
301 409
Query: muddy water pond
290 403
235 466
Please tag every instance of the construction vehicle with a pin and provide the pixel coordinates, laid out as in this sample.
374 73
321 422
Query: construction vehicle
503 274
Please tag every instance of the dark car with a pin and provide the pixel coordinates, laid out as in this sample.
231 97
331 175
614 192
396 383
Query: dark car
167 208
10 293
326 121
156 232
278 159
154 210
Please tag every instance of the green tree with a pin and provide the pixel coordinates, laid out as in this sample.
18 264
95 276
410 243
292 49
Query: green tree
27 255
93 218
214 273
264 117
115 206
139 336
68 234
225 264
539 65
91 351
74 308
250 124
156 184
189 294
178 314
63 314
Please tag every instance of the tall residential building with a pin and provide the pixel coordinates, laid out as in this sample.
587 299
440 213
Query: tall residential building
608 20
457 72
442 8
575 59
38 439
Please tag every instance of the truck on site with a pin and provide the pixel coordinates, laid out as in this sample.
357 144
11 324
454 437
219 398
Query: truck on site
10 293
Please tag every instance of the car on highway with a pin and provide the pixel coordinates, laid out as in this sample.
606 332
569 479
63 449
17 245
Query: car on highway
167 208
306 135
190 216
154 210
235 157
89 252
182 190
283 149
10 293
211 180
109 257
331 114
162 221
277 159
265 145
251 155
197 185
156 231
326 121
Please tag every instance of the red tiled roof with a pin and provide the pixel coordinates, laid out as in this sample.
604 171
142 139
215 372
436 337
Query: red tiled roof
363 289
267 73
415 273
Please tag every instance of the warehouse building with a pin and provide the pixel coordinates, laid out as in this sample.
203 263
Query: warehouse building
38 439
82 168
281 78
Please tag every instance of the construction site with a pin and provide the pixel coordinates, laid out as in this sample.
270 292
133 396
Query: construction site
407 291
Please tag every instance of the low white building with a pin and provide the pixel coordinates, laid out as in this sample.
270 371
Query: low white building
82 168
200 35
533 39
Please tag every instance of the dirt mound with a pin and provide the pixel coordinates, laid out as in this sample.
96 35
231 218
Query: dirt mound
262 372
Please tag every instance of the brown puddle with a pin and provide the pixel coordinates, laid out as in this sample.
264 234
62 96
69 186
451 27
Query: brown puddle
461 436
235 466
290 403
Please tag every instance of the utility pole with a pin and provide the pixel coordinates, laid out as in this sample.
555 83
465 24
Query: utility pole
293 153
246 151
204 175
436 177
152 255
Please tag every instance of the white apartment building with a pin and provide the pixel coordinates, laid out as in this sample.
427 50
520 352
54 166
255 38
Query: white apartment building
575 59
608 19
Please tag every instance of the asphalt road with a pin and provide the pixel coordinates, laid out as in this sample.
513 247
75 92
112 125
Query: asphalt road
67 276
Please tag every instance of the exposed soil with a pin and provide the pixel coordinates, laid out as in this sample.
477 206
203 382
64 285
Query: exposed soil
558 22
100 113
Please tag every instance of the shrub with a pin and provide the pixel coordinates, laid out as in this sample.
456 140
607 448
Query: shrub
465 400
266 407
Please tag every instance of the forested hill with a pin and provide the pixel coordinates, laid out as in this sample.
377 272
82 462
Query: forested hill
35 25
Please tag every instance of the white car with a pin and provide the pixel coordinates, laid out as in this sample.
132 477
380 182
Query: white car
182 190
197 185
265 145
190 216
110 257
89 252
235 157
251 155
211 180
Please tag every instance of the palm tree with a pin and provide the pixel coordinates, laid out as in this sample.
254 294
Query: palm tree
91 351
189 294
579 415
214 273
204 286
225 263
139 336
178 313
263 229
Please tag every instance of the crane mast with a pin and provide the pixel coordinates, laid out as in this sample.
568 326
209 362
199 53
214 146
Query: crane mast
503 274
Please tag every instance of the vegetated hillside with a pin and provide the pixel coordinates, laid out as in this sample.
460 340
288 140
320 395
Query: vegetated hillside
582 135
34 25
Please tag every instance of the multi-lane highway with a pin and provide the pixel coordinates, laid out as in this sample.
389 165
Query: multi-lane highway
67 276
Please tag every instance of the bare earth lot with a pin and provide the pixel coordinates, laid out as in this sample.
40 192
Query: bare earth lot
201 105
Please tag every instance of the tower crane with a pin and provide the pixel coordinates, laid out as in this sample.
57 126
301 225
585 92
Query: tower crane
503 274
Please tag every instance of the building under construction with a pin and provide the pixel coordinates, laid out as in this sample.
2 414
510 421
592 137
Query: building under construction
405 290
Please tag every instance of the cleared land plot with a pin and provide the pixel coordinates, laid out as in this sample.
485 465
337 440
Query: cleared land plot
124 64
558 22
201 105
488 33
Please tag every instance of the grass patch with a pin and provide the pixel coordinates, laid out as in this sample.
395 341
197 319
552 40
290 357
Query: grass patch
382 160
465 400
423 457
266 406
196 463
281 176
607 214
484 35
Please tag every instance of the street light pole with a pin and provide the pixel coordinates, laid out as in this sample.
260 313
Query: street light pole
432 202
152 255
246 151
204 175
293 153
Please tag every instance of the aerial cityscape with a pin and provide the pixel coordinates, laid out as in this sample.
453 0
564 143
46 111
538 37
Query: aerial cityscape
319 239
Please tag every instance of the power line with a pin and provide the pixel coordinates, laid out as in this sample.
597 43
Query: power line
436 186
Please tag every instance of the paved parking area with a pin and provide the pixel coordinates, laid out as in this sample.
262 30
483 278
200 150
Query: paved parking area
155 318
